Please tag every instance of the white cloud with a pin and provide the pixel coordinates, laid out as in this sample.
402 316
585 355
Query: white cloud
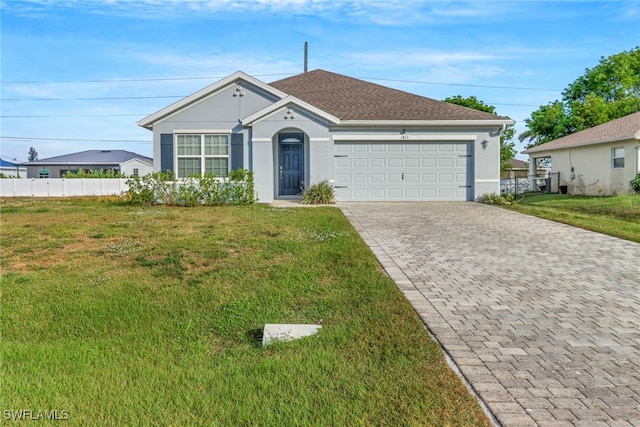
380 12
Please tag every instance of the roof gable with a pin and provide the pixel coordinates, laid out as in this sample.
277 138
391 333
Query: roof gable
148 121
283 103
352 99
627 127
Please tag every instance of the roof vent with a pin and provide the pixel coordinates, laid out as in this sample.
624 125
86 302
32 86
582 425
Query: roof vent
105 151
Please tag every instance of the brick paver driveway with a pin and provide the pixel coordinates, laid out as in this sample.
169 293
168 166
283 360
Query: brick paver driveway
542 319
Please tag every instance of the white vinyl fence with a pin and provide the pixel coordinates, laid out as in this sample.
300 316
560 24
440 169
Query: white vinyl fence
62 187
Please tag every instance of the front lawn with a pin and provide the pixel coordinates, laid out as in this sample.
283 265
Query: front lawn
617 216
122 315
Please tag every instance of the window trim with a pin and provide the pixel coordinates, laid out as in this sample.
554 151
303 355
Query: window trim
202 133
614 158
44 173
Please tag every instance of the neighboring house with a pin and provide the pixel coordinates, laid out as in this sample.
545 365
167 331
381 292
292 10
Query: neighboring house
369 141
515 179
8 169
122 161
599 160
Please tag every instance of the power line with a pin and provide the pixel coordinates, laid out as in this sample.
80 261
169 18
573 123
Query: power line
25 138
93 98
461 84
141 79
73 116
152 79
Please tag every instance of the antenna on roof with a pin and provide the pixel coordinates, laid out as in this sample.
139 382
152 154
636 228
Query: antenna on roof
306 55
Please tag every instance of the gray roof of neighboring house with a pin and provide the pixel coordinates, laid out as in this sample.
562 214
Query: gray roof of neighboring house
97 157
627 127
351 99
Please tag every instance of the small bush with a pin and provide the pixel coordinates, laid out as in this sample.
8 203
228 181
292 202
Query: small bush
496 199
321 193
164 188
635 183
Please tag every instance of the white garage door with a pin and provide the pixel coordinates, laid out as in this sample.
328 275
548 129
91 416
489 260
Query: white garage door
391 171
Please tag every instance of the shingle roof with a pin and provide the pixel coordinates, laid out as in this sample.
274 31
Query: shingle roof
627 127
101 157
352 99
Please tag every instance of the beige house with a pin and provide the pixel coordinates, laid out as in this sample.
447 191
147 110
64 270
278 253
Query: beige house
596 161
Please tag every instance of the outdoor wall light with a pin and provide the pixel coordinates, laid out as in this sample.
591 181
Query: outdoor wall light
484 142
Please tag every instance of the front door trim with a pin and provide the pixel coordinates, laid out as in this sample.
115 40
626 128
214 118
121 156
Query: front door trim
290 163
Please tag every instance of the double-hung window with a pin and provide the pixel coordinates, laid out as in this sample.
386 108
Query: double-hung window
202 154
617 158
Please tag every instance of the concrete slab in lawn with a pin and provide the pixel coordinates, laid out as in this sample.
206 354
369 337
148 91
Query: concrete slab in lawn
287 332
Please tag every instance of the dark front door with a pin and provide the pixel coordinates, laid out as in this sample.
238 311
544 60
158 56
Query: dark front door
291 163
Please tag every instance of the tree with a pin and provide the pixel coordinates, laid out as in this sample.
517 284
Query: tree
33 155
507 146
605 92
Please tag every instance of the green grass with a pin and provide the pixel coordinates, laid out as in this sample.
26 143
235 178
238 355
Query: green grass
123 315
617 216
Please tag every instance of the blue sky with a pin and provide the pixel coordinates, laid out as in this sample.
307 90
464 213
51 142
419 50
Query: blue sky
78 75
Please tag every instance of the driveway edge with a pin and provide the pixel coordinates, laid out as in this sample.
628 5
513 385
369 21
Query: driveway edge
416 299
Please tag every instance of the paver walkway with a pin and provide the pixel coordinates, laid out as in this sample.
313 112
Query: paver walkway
542 319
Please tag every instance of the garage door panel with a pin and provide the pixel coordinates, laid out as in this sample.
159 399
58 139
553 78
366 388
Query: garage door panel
428 148
412 177
428 194
428 163
343 148
343 163
445 193
394 163
411 148
445 178
344 178
360 177
411 163
446 162
429 178
394 193
404 171
394 177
